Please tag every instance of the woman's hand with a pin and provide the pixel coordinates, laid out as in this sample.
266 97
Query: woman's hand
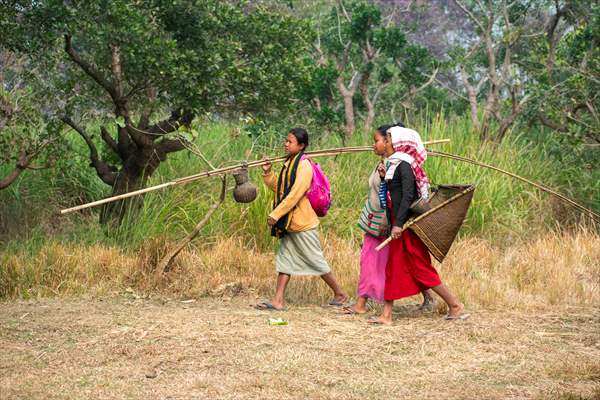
267 166
396 232
384 230
381 169
271 221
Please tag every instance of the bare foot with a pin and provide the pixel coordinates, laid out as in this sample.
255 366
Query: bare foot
278 304
381 320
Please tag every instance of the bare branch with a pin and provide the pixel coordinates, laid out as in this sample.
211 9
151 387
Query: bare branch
454 92
378 92
165 263
317 46
89 69
480 84
472 94
552 38
23 161
116 70
172 145
507 122
470 15
178 118
38 167
139 137
592 110
355 81
551 124
341 64
111 142
429 81
105 171
339 28
144 121
346 15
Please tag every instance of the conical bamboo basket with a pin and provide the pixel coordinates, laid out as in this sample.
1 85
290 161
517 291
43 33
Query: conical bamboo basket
439 226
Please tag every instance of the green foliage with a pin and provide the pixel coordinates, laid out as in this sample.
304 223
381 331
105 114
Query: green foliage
196 54
502 208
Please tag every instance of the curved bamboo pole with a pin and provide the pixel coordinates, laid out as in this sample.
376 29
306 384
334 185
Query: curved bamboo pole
329 152
543 188
228 170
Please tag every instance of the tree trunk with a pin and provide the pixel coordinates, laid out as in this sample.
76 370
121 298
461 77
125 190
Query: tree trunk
113 213
140 148
349 116
137 168
348 96
370 108
472 94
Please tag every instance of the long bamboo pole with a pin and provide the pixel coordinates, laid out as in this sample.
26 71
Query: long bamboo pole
228 170
592 214
543 188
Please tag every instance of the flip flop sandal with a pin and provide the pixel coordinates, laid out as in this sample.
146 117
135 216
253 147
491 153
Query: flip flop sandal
349 311
266 306
460 317
337 303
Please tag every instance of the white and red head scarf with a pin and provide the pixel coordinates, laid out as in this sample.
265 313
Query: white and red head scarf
408 147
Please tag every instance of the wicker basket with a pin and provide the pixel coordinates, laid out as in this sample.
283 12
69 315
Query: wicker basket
438 227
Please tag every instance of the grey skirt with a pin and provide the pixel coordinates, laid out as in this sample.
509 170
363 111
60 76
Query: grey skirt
300 254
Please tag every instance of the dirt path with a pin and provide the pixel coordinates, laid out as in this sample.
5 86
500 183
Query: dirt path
213 349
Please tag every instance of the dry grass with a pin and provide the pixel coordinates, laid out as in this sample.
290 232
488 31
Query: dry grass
214 349
548 270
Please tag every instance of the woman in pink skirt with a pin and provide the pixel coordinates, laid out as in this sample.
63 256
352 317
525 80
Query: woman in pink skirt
374 222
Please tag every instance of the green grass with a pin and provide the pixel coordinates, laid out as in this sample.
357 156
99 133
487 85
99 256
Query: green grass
502 207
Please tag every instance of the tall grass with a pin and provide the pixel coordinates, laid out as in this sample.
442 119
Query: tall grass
33 237
502 207
553 269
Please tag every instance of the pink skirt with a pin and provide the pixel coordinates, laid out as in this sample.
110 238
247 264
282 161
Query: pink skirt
371 282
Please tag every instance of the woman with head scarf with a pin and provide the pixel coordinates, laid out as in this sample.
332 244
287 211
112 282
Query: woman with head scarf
374 222
408 269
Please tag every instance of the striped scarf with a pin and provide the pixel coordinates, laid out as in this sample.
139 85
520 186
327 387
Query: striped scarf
409 147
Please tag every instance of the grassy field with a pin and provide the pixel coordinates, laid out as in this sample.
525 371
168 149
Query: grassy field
131 348
44 254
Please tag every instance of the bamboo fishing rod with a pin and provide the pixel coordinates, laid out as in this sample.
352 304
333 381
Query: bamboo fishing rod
228 170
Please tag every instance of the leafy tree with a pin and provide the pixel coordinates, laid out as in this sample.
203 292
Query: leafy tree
27 140
564 70
364 53
147 69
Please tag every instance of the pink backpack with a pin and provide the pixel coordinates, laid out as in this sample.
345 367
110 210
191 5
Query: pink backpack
319 194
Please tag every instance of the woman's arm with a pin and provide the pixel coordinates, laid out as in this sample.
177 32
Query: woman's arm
270 180
402 191
299 189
